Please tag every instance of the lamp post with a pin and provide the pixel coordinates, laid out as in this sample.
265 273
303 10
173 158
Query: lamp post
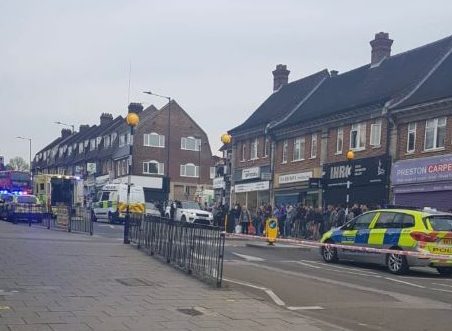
29 140
132 120
64 124
350 156
169 133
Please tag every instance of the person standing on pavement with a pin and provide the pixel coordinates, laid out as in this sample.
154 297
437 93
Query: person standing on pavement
341 217
245 219
289 219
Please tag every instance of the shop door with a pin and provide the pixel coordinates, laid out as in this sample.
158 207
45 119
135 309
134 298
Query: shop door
441 200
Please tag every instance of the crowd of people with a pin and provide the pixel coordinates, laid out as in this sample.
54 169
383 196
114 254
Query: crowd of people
294 220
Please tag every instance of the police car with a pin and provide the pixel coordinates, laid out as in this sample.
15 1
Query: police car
424 231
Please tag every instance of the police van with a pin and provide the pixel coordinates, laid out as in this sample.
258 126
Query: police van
111 204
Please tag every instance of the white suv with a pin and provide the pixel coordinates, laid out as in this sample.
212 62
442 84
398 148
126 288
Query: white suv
189 211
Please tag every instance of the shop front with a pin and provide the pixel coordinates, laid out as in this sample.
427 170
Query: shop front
423 182
252 186
301 187
368 182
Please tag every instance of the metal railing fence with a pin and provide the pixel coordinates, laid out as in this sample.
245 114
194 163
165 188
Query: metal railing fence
194 248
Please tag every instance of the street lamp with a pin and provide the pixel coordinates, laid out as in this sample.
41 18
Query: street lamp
64 124
29 140
132 120
350 156
169 133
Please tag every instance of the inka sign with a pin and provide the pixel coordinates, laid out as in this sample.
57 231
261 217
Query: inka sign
251 173
359 172
294 178
427 169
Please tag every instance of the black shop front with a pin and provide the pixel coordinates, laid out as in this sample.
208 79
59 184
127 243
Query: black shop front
368 182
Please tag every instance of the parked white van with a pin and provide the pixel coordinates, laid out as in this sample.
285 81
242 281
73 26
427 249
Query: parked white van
111 204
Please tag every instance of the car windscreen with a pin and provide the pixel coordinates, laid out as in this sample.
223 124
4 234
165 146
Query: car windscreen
190 205
441 222
27 199
104 196
150 205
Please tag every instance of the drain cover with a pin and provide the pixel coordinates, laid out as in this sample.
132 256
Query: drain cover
134 282
189 311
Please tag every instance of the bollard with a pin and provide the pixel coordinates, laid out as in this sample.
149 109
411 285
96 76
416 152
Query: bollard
271 230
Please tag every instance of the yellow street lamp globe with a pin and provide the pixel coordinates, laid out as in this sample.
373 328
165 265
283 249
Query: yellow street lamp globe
350 155
226 138
132 119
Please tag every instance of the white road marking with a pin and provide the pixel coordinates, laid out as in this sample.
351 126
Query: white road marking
111 226
442 284
269 292
403 282
441 290
249 257
342 268
306 308
308 265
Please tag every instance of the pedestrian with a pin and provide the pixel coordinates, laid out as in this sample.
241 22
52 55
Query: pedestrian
172 210
340 219
245 219
289 220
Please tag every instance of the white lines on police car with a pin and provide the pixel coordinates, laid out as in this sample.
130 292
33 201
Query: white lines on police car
249 257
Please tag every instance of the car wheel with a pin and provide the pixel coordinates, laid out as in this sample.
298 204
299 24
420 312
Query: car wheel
329 254
397 264
183 218
445 271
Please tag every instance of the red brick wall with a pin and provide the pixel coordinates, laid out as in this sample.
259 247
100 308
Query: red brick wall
402 137
260 154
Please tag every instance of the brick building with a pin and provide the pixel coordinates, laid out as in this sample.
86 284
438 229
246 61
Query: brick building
371 110
100 154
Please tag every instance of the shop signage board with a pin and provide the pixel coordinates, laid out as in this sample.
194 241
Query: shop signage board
365 171
251 173
422 170
294 178
218 183
250 187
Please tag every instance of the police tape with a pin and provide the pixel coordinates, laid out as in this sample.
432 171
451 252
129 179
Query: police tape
423 254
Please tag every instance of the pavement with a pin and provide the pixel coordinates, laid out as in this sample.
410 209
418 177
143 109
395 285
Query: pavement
52 280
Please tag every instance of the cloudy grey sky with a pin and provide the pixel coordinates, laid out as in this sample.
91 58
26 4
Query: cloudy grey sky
63 60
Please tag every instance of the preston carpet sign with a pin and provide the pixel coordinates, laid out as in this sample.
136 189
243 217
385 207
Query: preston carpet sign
428 169
294 178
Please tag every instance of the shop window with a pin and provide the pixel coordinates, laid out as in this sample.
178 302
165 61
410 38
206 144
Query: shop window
284 151
298 149
314 146
358 137
253 149
435 133
411 137
375 134
154 139
340 141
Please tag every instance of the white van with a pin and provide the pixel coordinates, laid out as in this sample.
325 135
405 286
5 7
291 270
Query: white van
111 204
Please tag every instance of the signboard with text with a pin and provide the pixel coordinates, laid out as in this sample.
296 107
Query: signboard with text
251 173
294 178
250 187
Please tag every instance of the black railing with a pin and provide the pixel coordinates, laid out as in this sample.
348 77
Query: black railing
194 248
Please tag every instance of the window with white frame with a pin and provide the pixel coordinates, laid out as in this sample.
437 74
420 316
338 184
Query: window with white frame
314 146
358 136
118 168
298 149
153 167
106 141
435 133
284 151
411 137
153 139
253 149
124 165
122 140
212 172
340 141
190 143
98 141
69 150
80 148
92 144
266 146
129 139
189 170
113 137
243 151
375 134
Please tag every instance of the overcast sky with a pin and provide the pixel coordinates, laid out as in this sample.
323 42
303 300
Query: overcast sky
68 61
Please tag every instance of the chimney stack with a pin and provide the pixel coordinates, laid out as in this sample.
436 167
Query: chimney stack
83 127
66 133
135 107
381 47
334 73
105 118
280 76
